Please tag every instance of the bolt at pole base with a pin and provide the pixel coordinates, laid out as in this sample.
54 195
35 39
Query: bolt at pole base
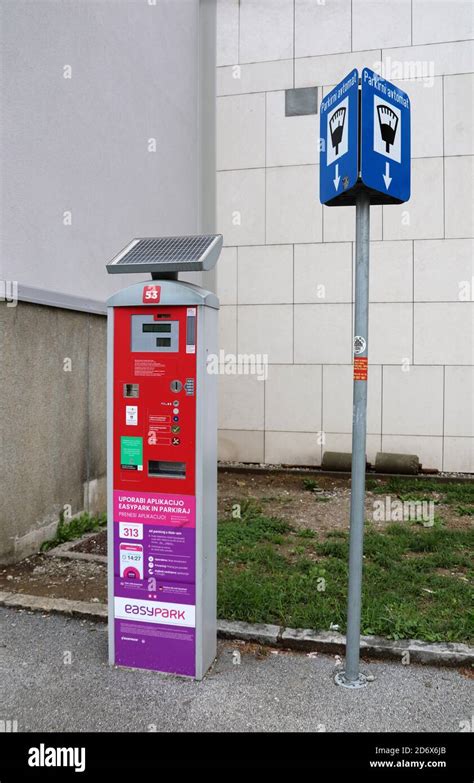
360 682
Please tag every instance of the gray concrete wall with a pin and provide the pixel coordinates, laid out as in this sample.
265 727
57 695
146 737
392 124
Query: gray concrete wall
53 421
123 148
91 161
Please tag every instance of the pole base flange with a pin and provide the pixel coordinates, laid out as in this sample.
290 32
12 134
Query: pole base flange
361 682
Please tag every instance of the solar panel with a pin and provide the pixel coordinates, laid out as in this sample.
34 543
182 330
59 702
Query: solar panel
168 254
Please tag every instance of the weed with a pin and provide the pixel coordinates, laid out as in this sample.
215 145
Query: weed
68 530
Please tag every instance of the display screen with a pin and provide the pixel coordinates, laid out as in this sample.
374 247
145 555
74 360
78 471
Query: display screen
163 342
156 328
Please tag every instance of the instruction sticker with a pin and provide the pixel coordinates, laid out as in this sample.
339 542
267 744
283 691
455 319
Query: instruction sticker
131 414
360 368
131 453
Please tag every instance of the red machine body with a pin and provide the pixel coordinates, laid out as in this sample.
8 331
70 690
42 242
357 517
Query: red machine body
166 418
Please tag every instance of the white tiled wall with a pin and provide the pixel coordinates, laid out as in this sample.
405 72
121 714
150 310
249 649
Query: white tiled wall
323 273
293 398
442 20
337 399
266 30
290 140
241 131
267 270
373 21
228 328
255 77
421 217
412 401
266 329
292 212
459 213
241 206
322 28
442 268
458 125
285 277
459 402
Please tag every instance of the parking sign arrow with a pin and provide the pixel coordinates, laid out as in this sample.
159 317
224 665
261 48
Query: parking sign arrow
386 177
337 178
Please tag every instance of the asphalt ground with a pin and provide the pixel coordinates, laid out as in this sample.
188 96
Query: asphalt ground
55 677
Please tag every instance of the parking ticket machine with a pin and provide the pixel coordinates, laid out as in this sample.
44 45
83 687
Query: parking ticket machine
162 459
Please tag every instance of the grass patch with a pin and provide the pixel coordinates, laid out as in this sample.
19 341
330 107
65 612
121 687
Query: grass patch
310 484
267 573
68 530
306 532
454 493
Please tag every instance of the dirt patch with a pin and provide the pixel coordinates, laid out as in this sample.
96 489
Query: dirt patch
55 577
253 649
325 508
458 573
284 495
93 545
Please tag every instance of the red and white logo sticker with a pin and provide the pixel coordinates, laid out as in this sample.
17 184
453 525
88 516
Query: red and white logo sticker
151 294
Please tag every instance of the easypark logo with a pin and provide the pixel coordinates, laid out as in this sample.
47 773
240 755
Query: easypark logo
151 294
154 612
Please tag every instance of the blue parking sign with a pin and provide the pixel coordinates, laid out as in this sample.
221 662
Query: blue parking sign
338 155
385 140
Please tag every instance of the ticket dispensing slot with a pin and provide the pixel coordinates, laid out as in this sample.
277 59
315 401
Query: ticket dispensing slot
166 469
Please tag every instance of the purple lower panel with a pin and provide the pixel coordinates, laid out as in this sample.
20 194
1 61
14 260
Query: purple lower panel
170 592
163 648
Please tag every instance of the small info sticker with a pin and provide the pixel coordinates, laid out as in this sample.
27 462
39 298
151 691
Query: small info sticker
131 414
360 368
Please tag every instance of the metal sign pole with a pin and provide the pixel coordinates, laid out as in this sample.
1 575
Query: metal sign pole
364 137
352 677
